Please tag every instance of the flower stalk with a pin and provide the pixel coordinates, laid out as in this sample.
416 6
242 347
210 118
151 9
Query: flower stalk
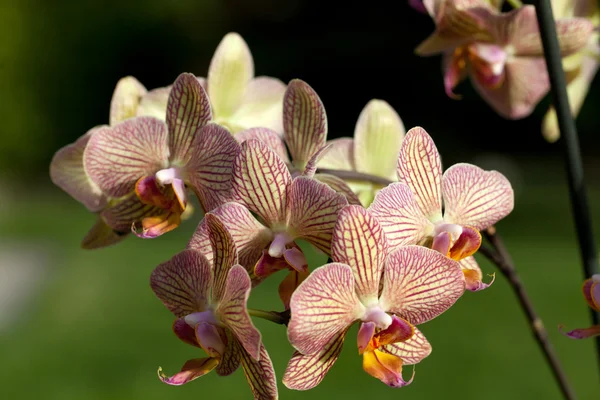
281 318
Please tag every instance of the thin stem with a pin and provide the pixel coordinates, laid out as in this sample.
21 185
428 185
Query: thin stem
281 318
570 142
355 176
499 256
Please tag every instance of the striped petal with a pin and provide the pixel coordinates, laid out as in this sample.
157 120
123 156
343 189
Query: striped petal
260 375
420 167
67 172
102 235
419 284
268 137
183 283
211 165
232 310
128 211
473 275
231 359
262 105
581 333
125 99
224 254
154 103
378 134
411 351
591 291
229 73
339 155
304 372
358 240
115 158
192 369
399 215
313 208
188 110
474 197
340 186
304 122
324 305
261 181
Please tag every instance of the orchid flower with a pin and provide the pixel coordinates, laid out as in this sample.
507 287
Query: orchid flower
581 67
209 303
502 52
374 149
388 293
591 294
158 161
411 212
131 99
287 209
305 134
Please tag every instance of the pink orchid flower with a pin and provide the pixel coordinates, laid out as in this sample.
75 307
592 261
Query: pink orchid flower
444 212
158 162
591 294
502 52
286 209
388 293
209 302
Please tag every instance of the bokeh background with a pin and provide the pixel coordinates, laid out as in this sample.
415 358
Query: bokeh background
78 324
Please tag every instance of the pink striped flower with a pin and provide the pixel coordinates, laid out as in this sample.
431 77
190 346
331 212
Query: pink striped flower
444 212
158 162
502 52
210 305
286 209
591 294
388 293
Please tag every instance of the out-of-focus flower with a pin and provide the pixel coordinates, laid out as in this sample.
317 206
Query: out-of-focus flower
210 305
287 210
158 161
591 294
131 99
239 99
410 211
389 293
581 67
374 149
502 52
305 134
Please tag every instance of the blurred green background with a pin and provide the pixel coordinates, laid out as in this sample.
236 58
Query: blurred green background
80 324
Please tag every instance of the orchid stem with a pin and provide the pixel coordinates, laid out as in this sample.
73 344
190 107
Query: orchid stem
500 257
355 176
515 3
570 142
281 318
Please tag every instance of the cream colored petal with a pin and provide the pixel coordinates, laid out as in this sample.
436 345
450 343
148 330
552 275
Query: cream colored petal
339 155
262 106
125 99
154 103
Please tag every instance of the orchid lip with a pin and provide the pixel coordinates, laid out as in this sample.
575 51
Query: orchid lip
380 318
279 243
453 229
203 316
168 175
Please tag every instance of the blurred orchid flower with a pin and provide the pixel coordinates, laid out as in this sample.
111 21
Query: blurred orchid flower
581 67
389 293
305 134
157 161
591 294
410 211
502 52
210 305
131 99
286 209
239 99
374 149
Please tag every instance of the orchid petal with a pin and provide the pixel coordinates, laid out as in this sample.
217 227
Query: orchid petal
261 180
178 186
474 197
154 226
399 215
400 330
454 70
115 158
262 105
385 367
304 372
229 73
224 254
473 275
210 339
359 241
419 284
311 166
268 265
339 155
102 235
149 191
183 283
296 259
231 359
339 186
378 135
420 167
185 332
304 122
232 310
68 173
128 211
191 370
313 209
582 333
267 136
260 374
412 350
289 284
466 245
125 99
188 110
365 334
210 167
324 305
591 292
154 103
442 242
